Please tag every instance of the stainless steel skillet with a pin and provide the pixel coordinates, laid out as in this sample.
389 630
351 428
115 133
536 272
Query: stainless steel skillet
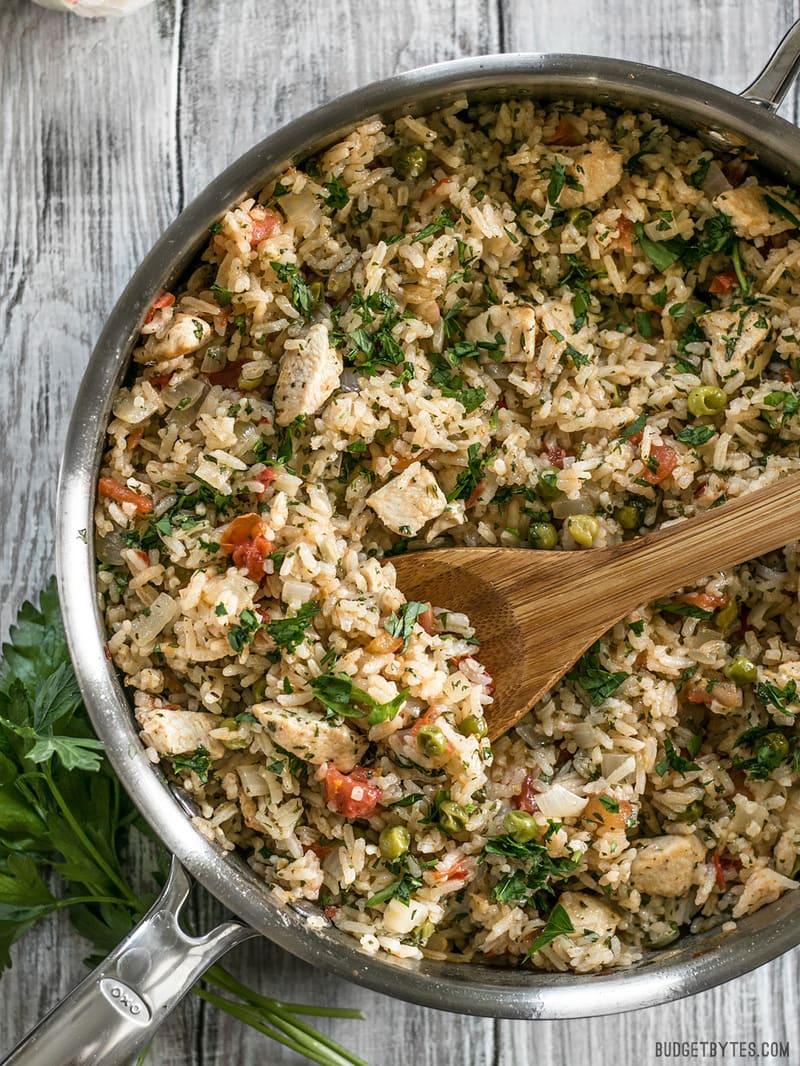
114 1012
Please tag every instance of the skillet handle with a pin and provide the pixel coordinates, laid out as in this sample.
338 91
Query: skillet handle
775 80
112 1015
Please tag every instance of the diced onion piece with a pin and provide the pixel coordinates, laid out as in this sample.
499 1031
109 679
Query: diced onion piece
567 508
162 611
559 802
109 549
296 592
616 768
715 181
402 917
133 410
302 210
184 394
348 381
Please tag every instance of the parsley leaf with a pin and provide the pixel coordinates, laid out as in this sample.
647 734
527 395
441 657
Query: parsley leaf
772 695
469 479
401 624
593 678
557 924
289 633
198 762
673 761
696 435
662 254
338 195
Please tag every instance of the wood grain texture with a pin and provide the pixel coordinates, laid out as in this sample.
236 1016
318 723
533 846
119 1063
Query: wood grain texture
106 129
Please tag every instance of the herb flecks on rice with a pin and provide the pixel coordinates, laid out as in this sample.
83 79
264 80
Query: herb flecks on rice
499 324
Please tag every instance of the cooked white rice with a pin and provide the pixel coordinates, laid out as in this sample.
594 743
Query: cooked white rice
486 326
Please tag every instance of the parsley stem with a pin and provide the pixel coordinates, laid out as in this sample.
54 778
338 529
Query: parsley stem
116 879
222 978
291 1033
744 281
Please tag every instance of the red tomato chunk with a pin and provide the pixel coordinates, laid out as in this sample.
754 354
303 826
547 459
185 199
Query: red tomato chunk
351 794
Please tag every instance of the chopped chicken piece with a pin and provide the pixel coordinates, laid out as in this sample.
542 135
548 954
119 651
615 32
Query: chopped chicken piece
589 914
410 500
307 377
763 886
310 738
667 866
597 169
739 341
180 732
186 334
751 214
516 324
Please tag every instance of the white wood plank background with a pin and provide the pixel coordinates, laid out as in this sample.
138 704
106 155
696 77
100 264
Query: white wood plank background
106 129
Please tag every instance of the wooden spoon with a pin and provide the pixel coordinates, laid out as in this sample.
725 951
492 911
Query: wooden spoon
536 612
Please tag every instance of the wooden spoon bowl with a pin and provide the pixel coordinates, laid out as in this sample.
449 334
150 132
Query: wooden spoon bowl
536 612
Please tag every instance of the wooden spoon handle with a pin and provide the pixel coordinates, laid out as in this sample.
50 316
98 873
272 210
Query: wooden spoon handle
755 523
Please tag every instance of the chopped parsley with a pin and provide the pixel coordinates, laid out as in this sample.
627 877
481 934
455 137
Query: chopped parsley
198 762
696 435
338 196
401 623
593 678
289 633
673 761
342 699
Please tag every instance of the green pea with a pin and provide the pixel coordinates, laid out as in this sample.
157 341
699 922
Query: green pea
583 528
410 162
431 741
543 535
546 485
234 743
387 435
629 516
727 616
580 218
317 293
258 689
452 817
771 750
691 813
394 841
521 826
426 930
742 671
706 400
473 725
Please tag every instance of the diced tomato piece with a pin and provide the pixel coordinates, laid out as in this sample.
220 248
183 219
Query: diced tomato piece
245 542
166 299
726 868
320 850
250 556
707 601
437 190
403 462
229 376
697 694
666 459
160 381
265 478
624 235
525 800
567 133
107 652
474 496
723 283
134 438
725 693
787 375
330 912
555 456
115 490
261 228
426 620
351 794
718 871
454 871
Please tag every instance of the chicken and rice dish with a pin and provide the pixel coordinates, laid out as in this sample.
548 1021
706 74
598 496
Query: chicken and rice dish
553 327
